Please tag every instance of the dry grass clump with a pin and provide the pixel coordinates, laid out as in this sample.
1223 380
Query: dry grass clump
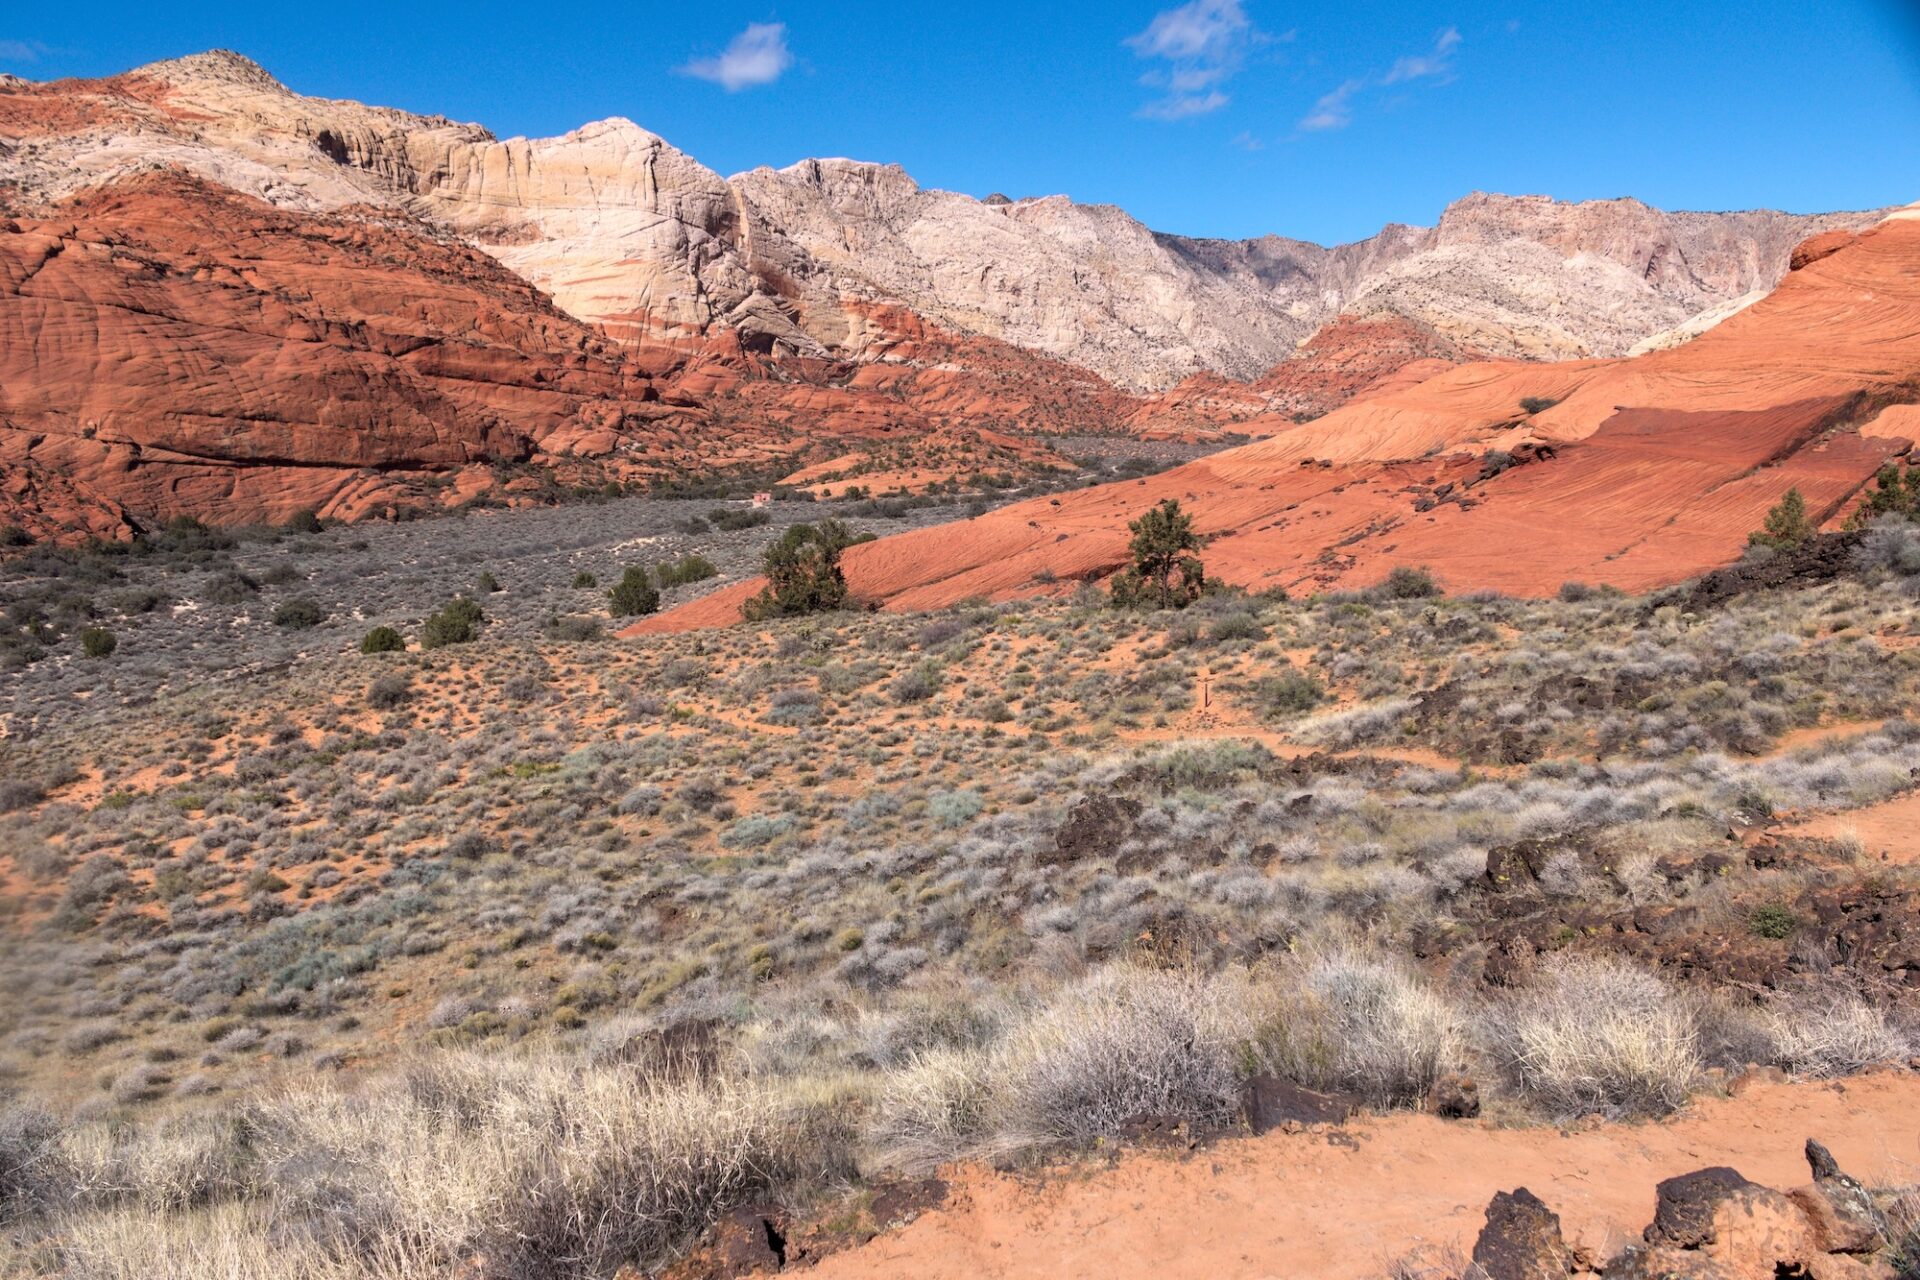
1365 1023
539 1166
1831 1033
1598 1034
1121 1045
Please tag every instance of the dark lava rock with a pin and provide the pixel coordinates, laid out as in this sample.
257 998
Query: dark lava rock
1269 1102
1521 1240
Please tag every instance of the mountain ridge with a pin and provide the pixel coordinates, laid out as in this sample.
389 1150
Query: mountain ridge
677 250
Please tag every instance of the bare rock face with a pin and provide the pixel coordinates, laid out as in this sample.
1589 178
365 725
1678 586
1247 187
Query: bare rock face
168 346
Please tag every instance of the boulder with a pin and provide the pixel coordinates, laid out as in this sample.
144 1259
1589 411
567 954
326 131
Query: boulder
1454 1097
1268 1102
749 1241
1522 1240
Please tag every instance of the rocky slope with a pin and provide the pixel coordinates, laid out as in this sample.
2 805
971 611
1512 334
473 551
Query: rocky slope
1639 472
172 347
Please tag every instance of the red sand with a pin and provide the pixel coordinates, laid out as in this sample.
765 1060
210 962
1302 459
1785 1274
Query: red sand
1295 1205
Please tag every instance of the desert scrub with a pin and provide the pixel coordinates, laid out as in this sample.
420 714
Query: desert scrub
1600 1034
1120 1044
299 614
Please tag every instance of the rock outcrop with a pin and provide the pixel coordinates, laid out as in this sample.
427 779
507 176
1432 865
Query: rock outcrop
1711 1224
168 347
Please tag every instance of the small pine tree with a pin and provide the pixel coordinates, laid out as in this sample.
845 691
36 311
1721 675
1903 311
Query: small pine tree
633 595
1786 525
803 572
1895 492
1163 574
98 642
456 623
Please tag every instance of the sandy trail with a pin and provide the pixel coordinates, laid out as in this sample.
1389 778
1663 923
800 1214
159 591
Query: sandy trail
1293 1205
1888 831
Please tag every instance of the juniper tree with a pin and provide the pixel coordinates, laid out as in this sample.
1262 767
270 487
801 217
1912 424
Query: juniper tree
1164 574
1786 525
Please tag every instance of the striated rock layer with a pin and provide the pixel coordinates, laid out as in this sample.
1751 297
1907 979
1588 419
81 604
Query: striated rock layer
1641 472
168 347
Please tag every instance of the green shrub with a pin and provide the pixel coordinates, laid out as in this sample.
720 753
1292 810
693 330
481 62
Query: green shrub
574 628
1536 404
457 622
689 568
584 581
1786 525
1291 692
298 614
305 521
734 519
633 596
916 685
803 572
1772 921
487 584
383 640
1407 583
98 642
1896 492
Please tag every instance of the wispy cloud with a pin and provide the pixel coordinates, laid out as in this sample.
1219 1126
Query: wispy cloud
1425 66
21 50
1198 47
1335 110
757 56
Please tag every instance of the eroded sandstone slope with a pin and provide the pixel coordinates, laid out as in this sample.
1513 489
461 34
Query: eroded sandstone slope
1638 472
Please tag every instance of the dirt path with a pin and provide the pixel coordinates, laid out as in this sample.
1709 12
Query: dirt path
1888 831
1293 1205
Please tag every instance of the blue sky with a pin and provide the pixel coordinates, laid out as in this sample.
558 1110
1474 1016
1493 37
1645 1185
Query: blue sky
1216 117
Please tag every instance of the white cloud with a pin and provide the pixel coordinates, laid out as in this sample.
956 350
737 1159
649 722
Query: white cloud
1179 106
758 55
1200 29
1421 66
1201 45
1335 110
21 50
